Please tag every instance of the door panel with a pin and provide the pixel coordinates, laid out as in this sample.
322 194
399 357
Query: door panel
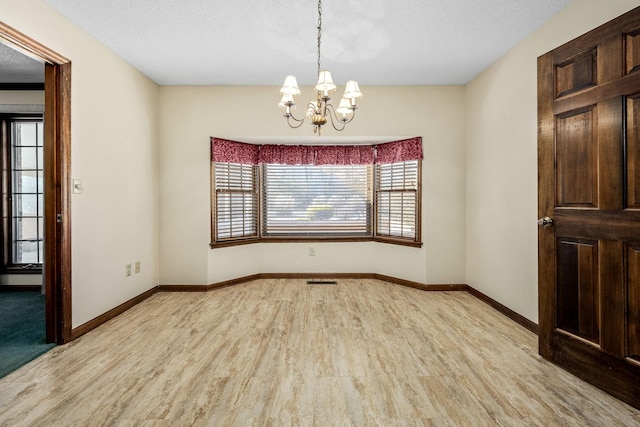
576 172
589 184
576 73
632 42
633 286
578 297
633 151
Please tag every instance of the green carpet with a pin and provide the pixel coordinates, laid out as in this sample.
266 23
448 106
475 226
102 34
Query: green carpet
22 329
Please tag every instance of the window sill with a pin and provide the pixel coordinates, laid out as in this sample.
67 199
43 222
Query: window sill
389 240
22 270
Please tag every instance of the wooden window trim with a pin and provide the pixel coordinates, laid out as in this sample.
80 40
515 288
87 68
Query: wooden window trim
417 241
8 266
255 192
392 241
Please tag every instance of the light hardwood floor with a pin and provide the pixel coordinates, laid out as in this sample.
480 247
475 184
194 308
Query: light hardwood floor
280 352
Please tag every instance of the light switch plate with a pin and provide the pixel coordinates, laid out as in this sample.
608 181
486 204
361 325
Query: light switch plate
77 186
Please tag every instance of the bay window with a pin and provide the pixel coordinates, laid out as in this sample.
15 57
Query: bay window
297 193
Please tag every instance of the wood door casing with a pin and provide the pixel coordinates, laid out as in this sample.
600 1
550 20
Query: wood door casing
589 184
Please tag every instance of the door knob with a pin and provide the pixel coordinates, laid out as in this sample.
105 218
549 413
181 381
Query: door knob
545 222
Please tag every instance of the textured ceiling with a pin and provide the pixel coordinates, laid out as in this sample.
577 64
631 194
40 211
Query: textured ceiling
16 67
259 42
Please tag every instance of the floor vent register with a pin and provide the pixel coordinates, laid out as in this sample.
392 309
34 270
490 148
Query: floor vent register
322 282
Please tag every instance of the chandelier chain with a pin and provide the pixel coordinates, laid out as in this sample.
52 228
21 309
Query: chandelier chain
319 31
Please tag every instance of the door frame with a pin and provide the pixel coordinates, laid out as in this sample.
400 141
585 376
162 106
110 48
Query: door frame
57 165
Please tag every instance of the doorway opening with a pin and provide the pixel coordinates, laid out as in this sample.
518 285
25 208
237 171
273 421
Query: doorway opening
57 162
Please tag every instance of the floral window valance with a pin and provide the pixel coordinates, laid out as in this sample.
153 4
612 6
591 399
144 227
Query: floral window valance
223 150
399 151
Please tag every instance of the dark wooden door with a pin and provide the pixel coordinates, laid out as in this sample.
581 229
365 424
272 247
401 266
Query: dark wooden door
589 205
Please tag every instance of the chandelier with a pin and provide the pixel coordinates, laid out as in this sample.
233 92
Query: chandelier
321 111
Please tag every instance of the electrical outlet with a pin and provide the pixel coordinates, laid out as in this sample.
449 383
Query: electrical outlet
312 251
127 270
137 267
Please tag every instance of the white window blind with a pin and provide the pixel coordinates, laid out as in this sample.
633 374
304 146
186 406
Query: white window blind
320 201
396 199
236 201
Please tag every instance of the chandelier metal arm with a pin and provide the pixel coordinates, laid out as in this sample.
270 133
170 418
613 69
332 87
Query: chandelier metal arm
290 116
331 113
333 117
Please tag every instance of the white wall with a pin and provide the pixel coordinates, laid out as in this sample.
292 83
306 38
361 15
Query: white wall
501 159
114 133
22 97
190 115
